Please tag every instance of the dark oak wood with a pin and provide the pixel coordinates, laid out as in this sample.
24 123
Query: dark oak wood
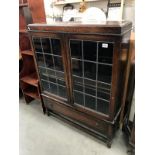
37 11
108 28
116 36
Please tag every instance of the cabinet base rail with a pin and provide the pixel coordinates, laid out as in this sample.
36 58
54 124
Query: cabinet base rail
81 126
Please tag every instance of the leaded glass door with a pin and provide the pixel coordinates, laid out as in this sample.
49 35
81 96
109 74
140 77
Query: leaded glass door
49 58
91 65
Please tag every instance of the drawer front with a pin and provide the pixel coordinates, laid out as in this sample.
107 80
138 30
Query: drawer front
73 114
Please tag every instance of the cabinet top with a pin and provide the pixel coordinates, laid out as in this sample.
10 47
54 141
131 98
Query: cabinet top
108 27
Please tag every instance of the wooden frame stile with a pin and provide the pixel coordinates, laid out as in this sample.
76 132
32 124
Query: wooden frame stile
36 66
68 63
114 82
65 57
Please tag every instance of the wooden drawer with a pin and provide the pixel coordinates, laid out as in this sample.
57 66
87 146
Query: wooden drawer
75 115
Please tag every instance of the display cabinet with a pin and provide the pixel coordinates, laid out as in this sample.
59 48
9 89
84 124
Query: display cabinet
81 69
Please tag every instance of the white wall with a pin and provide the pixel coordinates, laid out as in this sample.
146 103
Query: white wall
58 9
128 12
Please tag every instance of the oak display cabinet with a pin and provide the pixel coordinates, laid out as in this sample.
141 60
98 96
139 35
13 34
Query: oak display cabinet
82 70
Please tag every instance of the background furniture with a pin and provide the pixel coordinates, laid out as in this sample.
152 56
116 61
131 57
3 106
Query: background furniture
29 11
81 70
128 113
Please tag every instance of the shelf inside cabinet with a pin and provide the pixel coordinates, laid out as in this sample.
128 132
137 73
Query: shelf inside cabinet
23 5
32 92
27 52
22 31
31 79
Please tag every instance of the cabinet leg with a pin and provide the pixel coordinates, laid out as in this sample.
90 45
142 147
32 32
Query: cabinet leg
47 112
109 144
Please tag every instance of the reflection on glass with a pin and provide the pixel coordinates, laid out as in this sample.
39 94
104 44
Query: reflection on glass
104 73
62 91
78 87
90 91
103 94
76 49
105 54
78 98
43 74
45 85
77 79
52 79
53 88
37 44
90 70
89 50
46 45
90 102
77 67
103 86
61 82
40 59
56 46
59 75
90 83
58 63
102 106
50 72
49 61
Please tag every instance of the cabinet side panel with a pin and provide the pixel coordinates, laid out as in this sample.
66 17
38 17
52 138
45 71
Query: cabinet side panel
124 60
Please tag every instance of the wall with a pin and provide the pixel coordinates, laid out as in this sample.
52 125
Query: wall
59 8
128 11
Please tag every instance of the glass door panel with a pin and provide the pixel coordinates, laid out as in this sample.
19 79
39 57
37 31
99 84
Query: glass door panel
104 73
91 63
50 64
105 55
90 70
